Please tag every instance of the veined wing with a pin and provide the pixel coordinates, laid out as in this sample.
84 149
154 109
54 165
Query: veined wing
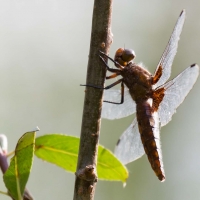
163 69
129 146
175 92
116 111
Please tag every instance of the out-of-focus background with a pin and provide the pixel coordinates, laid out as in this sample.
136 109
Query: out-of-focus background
44 49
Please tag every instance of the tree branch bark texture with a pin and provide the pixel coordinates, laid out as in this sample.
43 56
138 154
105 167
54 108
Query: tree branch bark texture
101 39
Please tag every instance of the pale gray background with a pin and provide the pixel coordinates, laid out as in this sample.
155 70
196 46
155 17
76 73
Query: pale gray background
44 49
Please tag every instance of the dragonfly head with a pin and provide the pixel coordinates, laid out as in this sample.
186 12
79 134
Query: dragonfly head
124 56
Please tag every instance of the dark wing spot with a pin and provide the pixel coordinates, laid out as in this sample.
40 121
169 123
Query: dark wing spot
118 142
193 65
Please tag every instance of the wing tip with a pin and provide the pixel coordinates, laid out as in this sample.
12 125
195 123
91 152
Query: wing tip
182 12
194 65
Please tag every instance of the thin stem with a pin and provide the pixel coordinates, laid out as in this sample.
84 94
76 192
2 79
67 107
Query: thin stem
5 193
86 176
10 154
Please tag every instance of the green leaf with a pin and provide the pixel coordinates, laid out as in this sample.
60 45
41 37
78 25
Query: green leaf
62 150
18 172
58 149
109 167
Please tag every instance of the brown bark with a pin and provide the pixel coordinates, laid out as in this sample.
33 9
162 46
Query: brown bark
101 39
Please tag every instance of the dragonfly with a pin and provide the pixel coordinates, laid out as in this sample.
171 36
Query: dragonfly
153 98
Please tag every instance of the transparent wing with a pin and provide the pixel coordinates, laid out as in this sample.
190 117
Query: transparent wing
116 111
175 92
129 146
163 69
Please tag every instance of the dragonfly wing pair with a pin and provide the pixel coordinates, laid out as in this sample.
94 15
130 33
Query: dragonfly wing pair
129 147
166 98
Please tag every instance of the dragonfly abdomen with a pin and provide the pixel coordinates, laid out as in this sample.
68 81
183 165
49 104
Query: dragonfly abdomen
148 125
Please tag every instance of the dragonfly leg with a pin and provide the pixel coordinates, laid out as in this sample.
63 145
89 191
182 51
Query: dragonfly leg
122 95
112 76
108 68
116 63
104 88
108 87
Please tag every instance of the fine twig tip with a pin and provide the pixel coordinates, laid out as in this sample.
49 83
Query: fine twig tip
3 143
36 129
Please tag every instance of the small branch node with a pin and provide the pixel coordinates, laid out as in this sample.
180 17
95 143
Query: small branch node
103 45
94 135
90 189
88 173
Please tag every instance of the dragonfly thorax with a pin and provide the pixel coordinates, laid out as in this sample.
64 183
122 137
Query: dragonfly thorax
138 80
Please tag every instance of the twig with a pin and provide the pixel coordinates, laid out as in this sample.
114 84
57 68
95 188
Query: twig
101 39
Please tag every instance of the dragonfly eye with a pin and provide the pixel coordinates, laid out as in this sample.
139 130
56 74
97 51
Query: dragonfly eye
124 56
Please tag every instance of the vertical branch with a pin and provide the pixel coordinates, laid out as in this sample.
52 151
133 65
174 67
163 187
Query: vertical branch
101 39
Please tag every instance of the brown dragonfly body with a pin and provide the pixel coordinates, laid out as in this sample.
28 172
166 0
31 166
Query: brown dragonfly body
139 82
152 98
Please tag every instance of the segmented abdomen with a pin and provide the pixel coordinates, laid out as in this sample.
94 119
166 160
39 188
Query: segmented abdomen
148 124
